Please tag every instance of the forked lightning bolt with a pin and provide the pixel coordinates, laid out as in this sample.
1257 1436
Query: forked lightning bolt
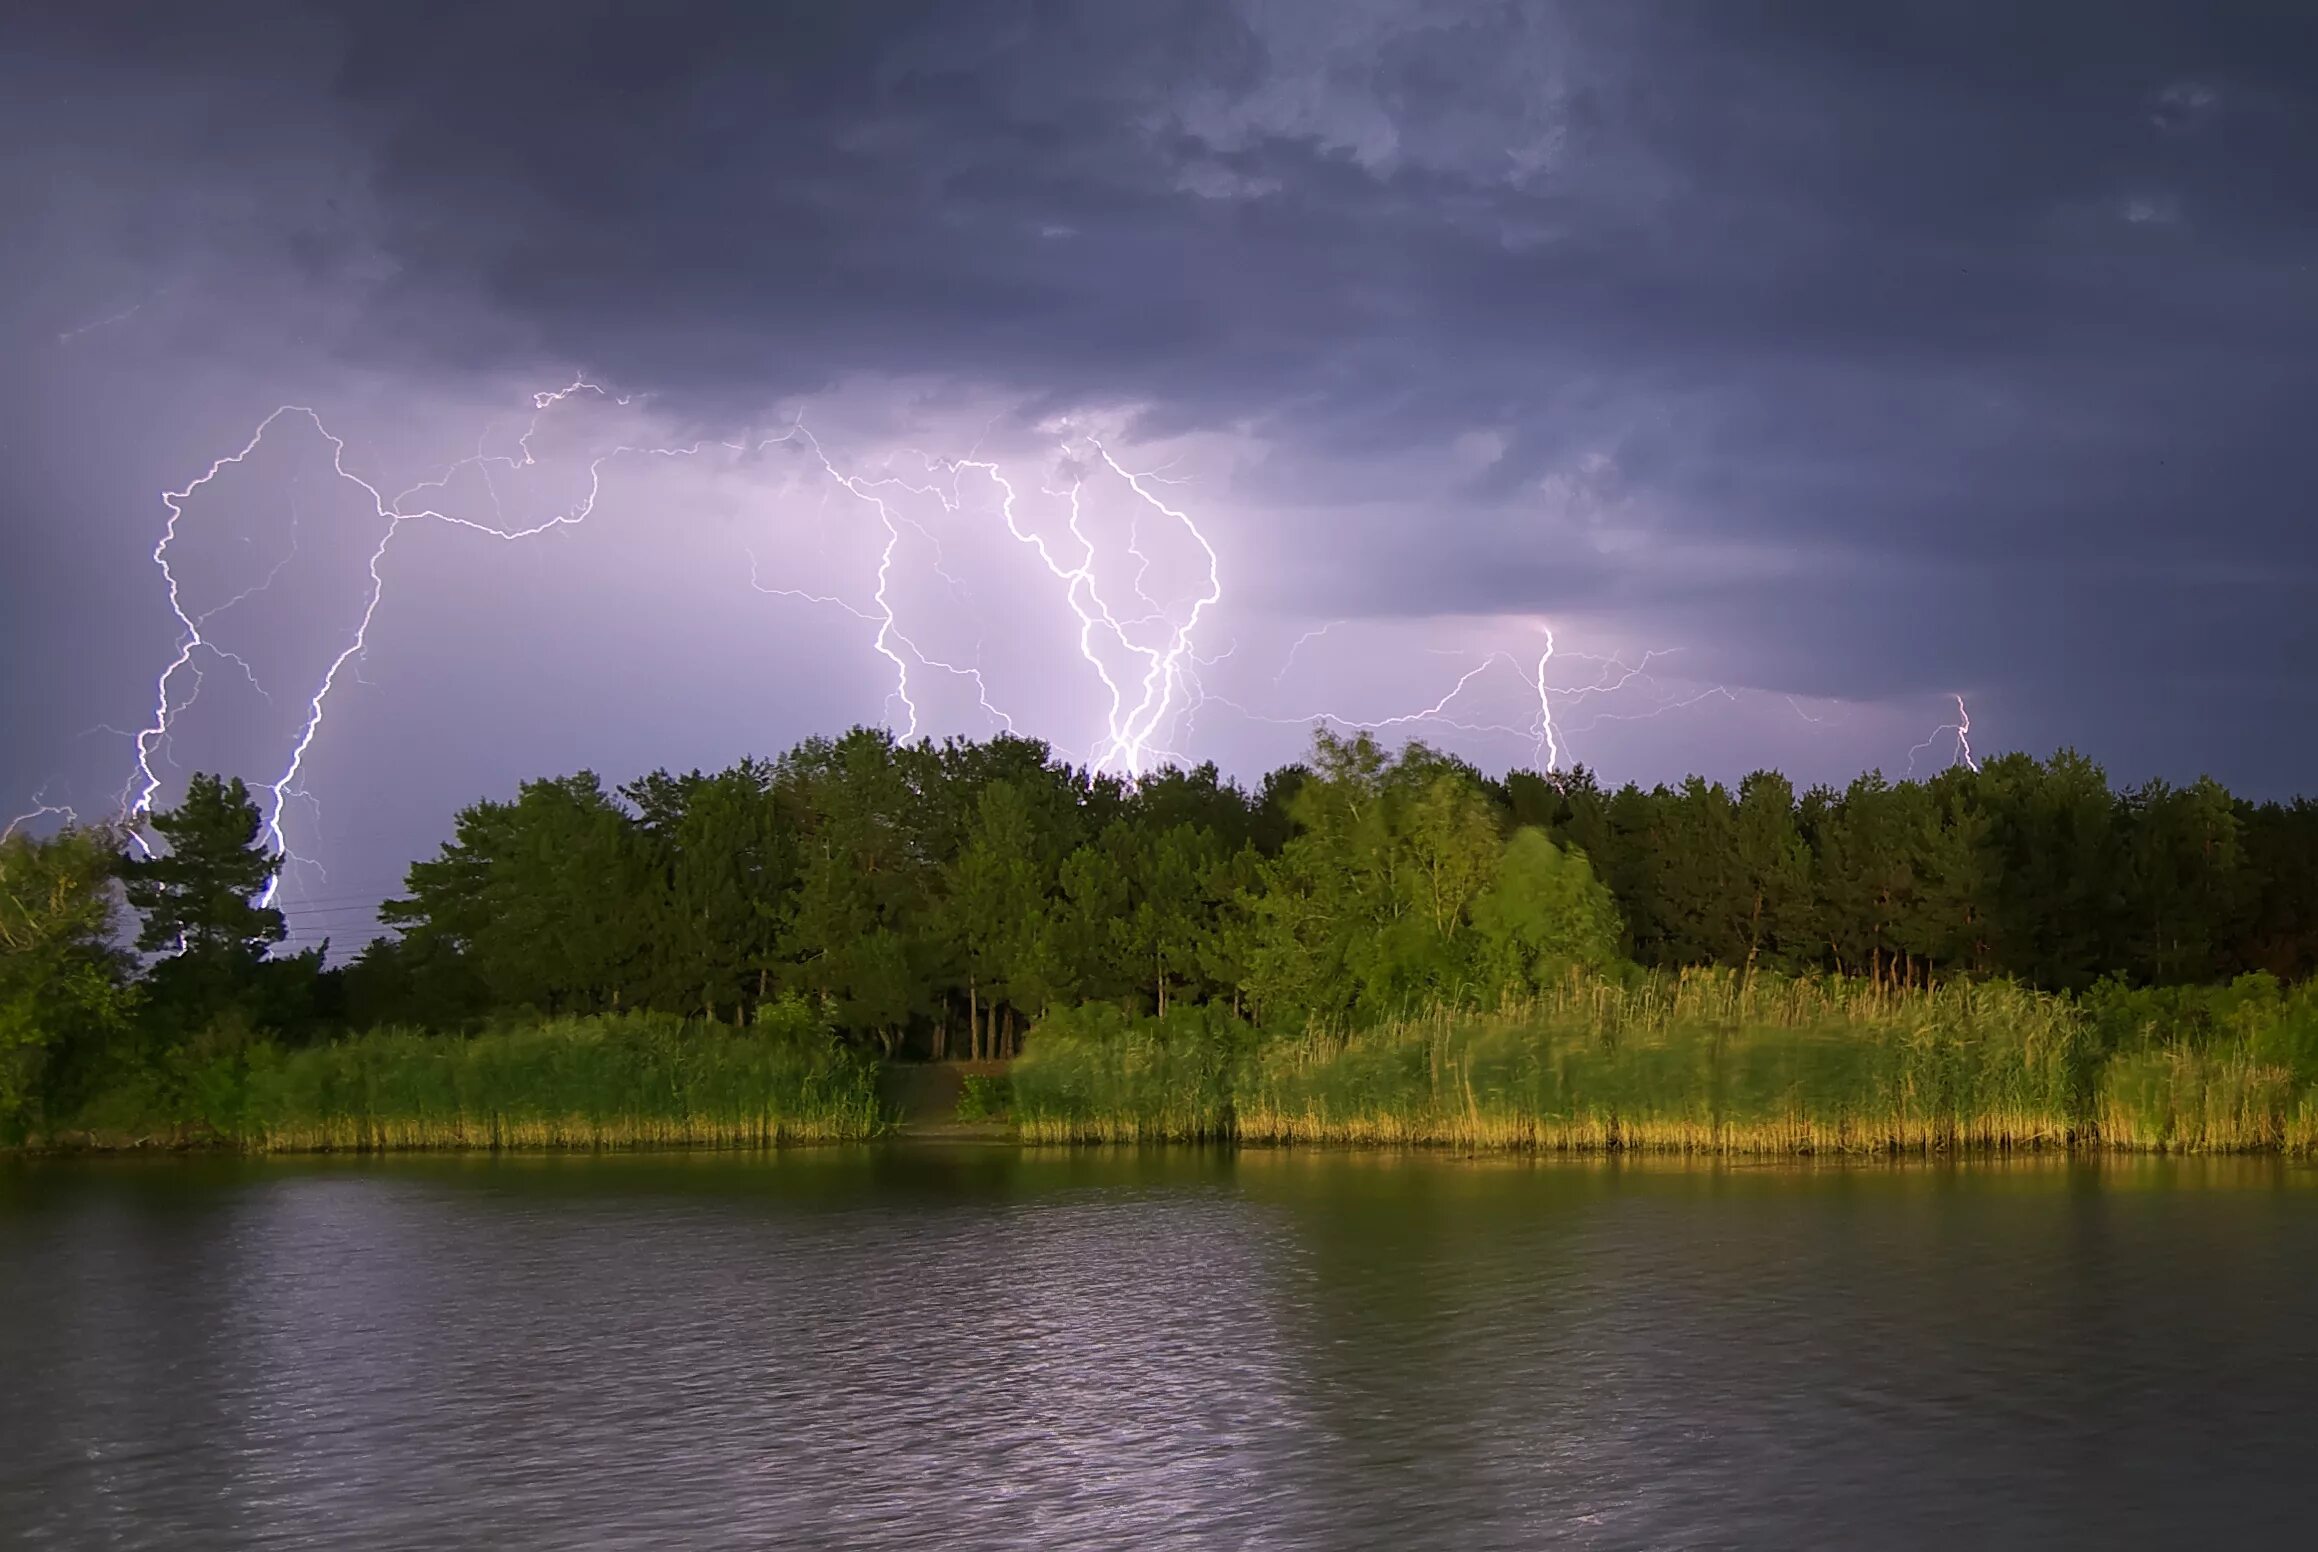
1142 650
1138 710
1961 729
144 781
1540 729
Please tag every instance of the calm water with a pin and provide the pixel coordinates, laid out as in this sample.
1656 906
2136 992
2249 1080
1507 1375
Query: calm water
976 1348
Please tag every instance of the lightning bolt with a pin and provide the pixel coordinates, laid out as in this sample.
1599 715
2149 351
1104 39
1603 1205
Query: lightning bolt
1961 729
41 809
1128 742
393 513
1140 642
1298 645
1139 705
1543 729
1125 747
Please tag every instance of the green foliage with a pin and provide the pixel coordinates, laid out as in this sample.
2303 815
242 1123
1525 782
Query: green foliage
1368 909
1093 1074
196 897
1709 1061
914 891
543 898
63 991
1713 1061
1543 919
939 899
607 1081
985 1097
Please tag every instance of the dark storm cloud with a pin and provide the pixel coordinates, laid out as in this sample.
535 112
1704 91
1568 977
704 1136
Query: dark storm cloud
1861 349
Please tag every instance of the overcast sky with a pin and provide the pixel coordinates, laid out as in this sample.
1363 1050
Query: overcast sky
1853 357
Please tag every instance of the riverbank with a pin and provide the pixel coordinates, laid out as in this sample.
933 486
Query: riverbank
1712 1063
634 1081
1706 1063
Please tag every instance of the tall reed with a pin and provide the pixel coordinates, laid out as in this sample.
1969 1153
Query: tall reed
1699 1063
637 1080
1711 1062
1094 1075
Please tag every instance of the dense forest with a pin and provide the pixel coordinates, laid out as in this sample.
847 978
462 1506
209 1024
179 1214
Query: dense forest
934 900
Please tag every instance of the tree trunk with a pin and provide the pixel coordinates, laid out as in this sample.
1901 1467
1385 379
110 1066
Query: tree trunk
973 1022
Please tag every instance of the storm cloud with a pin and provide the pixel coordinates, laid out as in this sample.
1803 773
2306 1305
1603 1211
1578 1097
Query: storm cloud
1865 354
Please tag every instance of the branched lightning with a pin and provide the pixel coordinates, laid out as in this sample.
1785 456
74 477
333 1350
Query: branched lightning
1139 639
1542 729
1960 729
1126 747
41 809
1128 743
1138 709
144 781
1298 645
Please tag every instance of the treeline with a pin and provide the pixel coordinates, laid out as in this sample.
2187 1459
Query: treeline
2037 870
936 897
933 900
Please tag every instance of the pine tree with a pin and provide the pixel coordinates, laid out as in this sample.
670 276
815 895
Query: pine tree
197 897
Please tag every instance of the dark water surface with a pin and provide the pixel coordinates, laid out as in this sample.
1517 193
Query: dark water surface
964 1347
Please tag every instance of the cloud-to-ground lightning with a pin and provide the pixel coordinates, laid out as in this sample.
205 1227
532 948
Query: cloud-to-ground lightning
1137 638
1125 746
1960 730
1129 743
145 782
1539 726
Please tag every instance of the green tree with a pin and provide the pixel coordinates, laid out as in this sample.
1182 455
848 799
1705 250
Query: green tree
544 898
726 871
198 900
198 897
996 903
862 939
1544 917
1369 906
64 993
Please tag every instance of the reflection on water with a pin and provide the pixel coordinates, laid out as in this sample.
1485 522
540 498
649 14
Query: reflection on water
981 1348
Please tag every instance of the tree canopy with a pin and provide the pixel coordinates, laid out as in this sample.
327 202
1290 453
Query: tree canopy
935 899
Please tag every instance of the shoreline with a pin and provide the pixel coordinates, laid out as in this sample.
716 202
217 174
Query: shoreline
988 1136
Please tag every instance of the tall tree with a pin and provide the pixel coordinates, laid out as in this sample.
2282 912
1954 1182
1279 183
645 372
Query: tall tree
198 898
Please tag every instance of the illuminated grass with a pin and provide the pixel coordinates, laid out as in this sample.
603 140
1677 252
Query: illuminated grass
1705 1063
1091 1075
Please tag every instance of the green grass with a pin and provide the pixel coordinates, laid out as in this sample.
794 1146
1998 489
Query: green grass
1092 1075
985 1097
1712 1063
631 1081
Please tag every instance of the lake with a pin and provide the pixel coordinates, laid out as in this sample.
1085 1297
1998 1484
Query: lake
974 1346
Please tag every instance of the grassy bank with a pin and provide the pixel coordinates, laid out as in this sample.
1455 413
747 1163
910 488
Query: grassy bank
1712 1063
633 1081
